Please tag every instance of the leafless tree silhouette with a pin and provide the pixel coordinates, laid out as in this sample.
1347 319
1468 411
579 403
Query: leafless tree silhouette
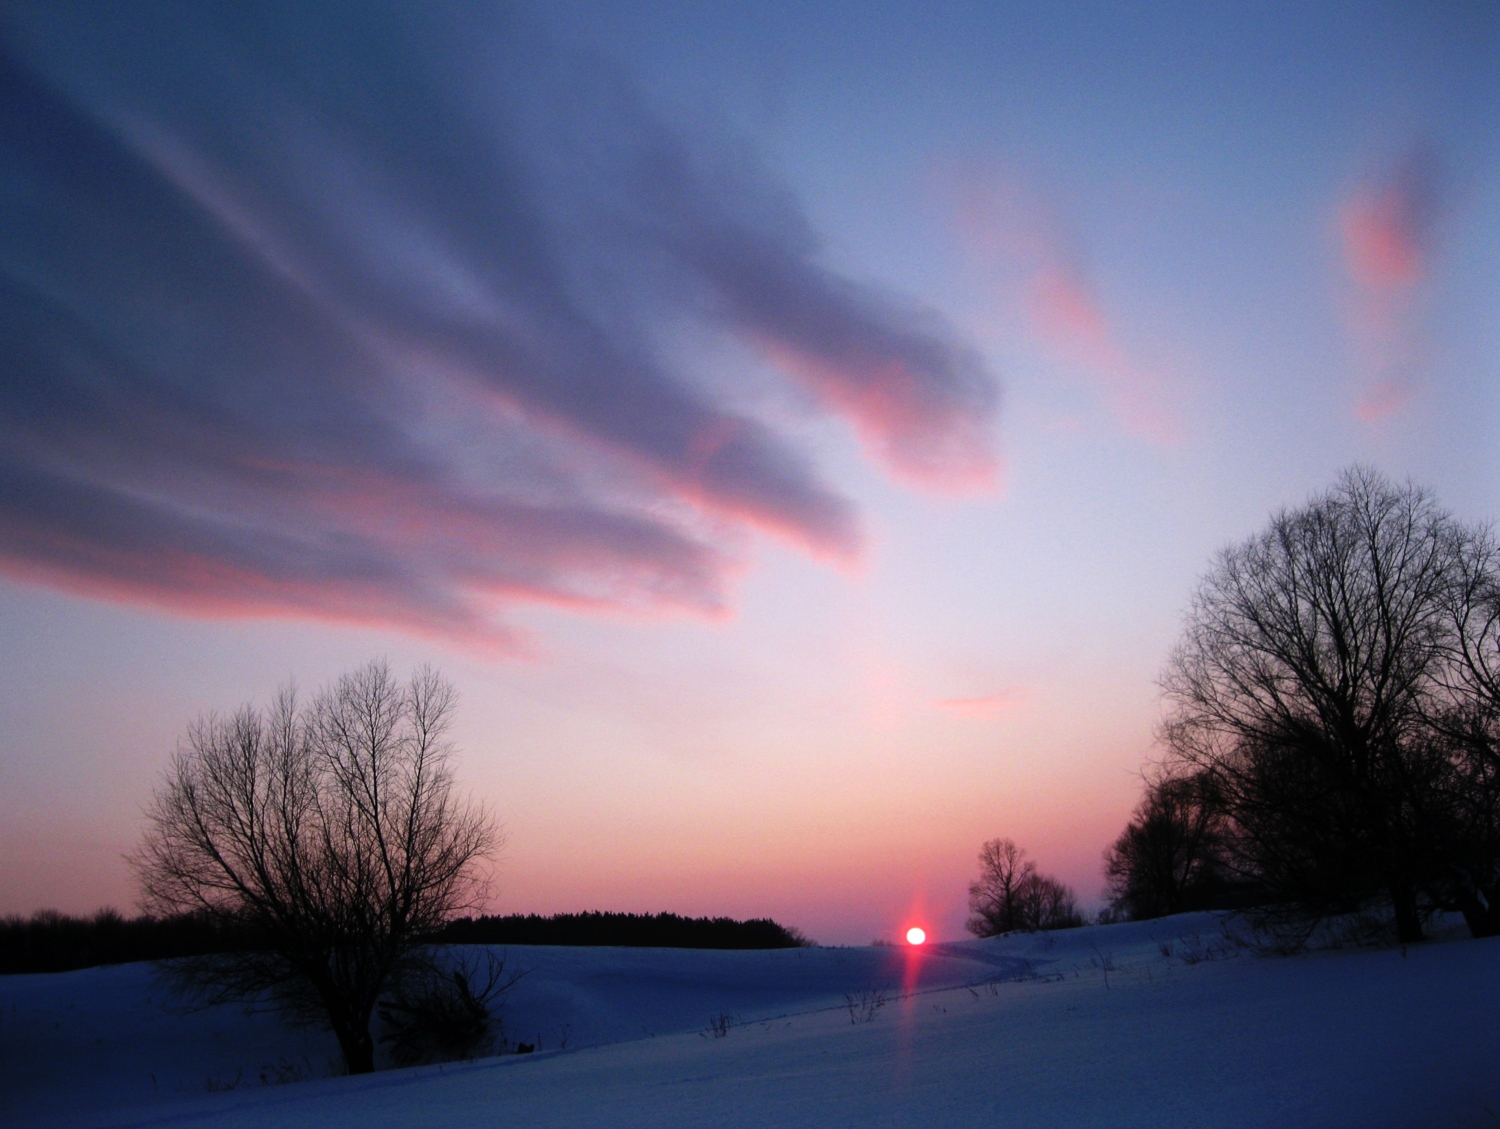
1170 857
1303 692
332 832
1466 718
1011 895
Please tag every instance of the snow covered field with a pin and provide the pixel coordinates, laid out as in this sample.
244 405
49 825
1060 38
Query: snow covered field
1161 1023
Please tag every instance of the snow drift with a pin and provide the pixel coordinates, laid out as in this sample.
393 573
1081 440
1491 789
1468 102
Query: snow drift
1163 1023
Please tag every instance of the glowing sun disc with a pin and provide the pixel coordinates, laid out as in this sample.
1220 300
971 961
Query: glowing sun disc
915 935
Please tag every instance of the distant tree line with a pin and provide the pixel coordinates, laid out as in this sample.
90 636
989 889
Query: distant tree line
53 942
49 941
635 930
1332 734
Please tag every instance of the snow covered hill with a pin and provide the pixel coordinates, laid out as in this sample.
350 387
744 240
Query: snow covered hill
1161 1023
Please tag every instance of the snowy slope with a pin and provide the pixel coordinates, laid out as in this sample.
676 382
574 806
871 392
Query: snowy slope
1208 1035
84 1041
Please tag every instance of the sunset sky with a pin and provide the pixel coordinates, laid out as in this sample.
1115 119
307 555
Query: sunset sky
796 429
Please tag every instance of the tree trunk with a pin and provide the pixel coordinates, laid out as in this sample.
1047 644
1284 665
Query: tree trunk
1408 921
357 1045
1481 913
349 1021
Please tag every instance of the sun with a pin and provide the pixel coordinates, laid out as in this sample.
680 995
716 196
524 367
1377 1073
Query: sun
916 935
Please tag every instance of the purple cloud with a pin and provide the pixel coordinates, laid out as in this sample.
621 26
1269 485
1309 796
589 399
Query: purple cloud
341 313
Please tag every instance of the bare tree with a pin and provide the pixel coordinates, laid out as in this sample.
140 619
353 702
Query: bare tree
1466 716
1169 859
332 832
992 899
1011 895
1043 902
1301 691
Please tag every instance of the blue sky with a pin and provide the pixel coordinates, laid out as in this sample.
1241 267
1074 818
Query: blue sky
796 429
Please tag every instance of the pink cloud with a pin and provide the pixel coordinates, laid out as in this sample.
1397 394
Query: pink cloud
933 445
1066 313
986 705
1382 401
1387 224
920 397
1005 226
373 552
1386 228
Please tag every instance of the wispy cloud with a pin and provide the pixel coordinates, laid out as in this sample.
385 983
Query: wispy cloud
1067 314
987 705
1004 224
345 312
1388 221
1387 226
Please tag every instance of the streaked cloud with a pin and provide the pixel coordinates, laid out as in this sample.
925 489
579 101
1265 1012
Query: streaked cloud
375 314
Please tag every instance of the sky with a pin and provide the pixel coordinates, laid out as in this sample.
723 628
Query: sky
795 429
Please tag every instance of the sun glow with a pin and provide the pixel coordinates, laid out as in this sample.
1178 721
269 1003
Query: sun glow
916 935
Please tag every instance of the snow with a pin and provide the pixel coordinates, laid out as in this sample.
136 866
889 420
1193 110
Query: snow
1163 1023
